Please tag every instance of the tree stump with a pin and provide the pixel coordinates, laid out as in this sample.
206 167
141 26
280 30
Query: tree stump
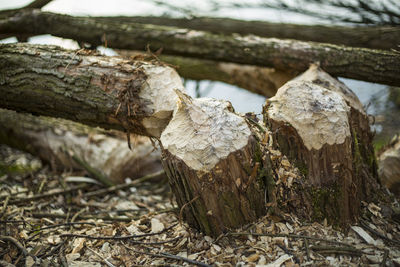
320 125
213 159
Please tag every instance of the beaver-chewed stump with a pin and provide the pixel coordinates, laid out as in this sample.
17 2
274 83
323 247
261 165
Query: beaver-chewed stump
321 126
214 163
313 156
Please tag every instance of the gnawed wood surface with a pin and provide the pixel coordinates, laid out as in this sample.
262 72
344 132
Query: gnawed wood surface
213 161
57 141
321 126
83 86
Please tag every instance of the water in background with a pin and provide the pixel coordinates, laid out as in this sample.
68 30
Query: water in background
373 96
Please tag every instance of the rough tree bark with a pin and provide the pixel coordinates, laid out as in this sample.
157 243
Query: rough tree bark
225 169
109 92
330 142
259 80
58 142
375 37
356 63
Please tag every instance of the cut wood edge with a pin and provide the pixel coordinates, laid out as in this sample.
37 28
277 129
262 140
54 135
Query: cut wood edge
83 86
317 122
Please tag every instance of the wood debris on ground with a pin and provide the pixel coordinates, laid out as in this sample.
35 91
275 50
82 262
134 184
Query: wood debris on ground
47 219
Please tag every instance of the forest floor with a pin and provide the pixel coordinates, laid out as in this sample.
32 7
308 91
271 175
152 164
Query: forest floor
50 218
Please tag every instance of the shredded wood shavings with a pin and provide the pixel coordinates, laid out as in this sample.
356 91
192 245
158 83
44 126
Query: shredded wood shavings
140 228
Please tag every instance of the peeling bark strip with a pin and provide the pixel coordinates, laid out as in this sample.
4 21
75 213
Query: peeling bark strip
356 63
321 126
369 37
56 141
109 92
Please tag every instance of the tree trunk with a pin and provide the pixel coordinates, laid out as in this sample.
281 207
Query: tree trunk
375 37
357 63
320 125
259 80
58 142
109 92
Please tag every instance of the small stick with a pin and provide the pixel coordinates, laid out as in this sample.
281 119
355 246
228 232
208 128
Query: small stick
92 171
287 251
3 210
61 225
365 225
109 264
118 237
332 248
292 236
170 256
385 256
183 207
16 243
124 186
84 217
307 250
45 195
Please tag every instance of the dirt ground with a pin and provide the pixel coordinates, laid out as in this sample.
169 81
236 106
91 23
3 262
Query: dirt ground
50 218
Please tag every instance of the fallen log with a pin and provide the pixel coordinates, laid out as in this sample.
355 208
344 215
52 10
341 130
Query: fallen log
83 86
389 166
57 142
259 80
356 63
376 37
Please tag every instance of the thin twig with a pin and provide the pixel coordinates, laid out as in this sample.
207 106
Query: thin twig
45 195
61 225
124 186
118 237
183 207
84 217
337 250
16 243
385 257
98 175
109 264
4 208
169 256
365 225
307 250
287 251
292 236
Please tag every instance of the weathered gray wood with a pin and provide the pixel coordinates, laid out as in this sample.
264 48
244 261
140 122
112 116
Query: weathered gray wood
356 63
